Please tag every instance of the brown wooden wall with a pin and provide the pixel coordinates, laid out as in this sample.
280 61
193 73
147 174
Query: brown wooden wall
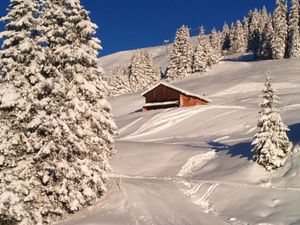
162 94
147 108
190 101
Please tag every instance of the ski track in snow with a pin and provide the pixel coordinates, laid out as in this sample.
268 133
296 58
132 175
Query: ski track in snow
129 125
221 139
251 130
212 182
170 117
163 120
204 201
193 188
290 107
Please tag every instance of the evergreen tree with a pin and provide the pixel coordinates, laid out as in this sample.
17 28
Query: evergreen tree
20 41
19 71
238 43
293 31
182 55
271 144
231 35
208 50
118 81
246 30
226 38
136 70
265 43
280 30
264 18
55 148
200 59
205 56
216 45
142 72
254 32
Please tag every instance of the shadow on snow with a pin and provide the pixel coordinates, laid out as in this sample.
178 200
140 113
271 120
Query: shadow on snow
243 149
294 133
242 58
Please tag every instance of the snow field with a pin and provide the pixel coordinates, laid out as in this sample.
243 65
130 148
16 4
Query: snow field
193 165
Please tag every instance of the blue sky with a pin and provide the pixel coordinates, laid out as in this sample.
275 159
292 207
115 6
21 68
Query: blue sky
133 24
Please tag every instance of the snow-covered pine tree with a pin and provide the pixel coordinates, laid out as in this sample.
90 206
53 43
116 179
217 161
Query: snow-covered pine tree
19 72
200 59
280 30
142 72
238 43
118 81
271 144
259 20
225 38
231 35
136 70
220 37
216 45
203 40
294 30
265 43
20 43
246 30
153 70
254 31
54 156
264 18
182 55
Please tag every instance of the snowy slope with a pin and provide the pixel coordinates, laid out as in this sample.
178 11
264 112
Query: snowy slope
160 55
193 165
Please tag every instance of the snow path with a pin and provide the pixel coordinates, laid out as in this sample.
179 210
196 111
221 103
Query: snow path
125 204
179 179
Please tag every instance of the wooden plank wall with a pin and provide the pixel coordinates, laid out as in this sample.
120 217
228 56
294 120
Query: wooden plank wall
162 94
190 101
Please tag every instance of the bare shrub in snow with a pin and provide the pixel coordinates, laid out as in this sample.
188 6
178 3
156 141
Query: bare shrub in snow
271 144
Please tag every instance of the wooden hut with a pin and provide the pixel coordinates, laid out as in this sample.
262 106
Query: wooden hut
164 95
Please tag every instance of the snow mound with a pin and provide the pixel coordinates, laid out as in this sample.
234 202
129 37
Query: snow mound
195 163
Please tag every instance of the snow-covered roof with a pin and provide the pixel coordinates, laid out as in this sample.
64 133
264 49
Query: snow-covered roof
161 103
177 89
